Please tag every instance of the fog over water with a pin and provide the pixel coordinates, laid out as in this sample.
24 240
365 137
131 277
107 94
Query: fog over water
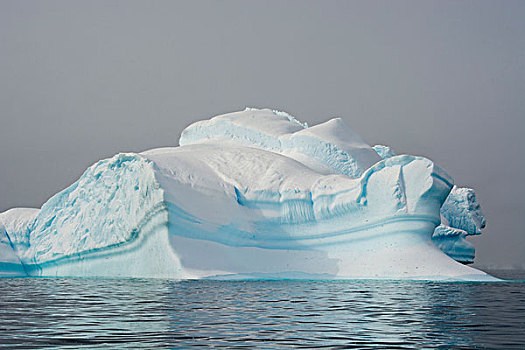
80 81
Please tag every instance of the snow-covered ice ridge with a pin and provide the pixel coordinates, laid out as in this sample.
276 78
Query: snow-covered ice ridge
251 194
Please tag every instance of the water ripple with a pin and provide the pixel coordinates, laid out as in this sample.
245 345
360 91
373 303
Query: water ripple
141 313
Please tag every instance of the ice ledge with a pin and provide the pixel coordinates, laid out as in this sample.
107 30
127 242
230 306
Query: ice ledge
299 275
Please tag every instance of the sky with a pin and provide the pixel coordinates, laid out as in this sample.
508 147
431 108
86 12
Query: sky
83 80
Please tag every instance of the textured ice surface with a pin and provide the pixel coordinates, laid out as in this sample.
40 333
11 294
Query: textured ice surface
15 226
121 190
384 151
247 194
462 210
461 216
453 242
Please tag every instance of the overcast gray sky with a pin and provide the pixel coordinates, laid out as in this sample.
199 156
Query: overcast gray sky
80 81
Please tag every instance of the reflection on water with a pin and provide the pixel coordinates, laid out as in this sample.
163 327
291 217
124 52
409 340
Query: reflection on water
130 313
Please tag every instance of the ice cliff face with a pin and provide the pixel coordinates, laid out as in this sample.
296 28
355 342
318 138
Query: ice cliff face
15 227
461 216
252 193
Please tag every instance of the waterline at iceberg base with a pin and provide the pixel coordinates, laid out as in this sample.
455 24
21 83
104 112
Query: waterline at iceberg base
254 194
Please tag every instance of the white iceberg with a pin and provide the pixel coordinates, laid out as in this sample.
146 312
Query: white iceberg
251 194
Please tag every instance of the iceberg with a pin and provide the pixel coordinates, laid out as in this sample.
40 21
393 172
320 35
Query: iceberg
250 194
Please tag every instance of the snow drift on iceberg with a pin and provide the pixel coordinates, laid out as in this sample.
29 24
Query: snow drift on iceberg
252 194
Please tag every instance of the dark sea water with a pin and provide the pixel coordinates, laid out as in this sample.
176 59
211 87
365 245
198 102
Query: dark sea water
140 313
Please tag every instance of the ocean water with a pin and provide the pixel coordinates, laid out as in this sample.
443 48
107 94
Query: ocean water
144 313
